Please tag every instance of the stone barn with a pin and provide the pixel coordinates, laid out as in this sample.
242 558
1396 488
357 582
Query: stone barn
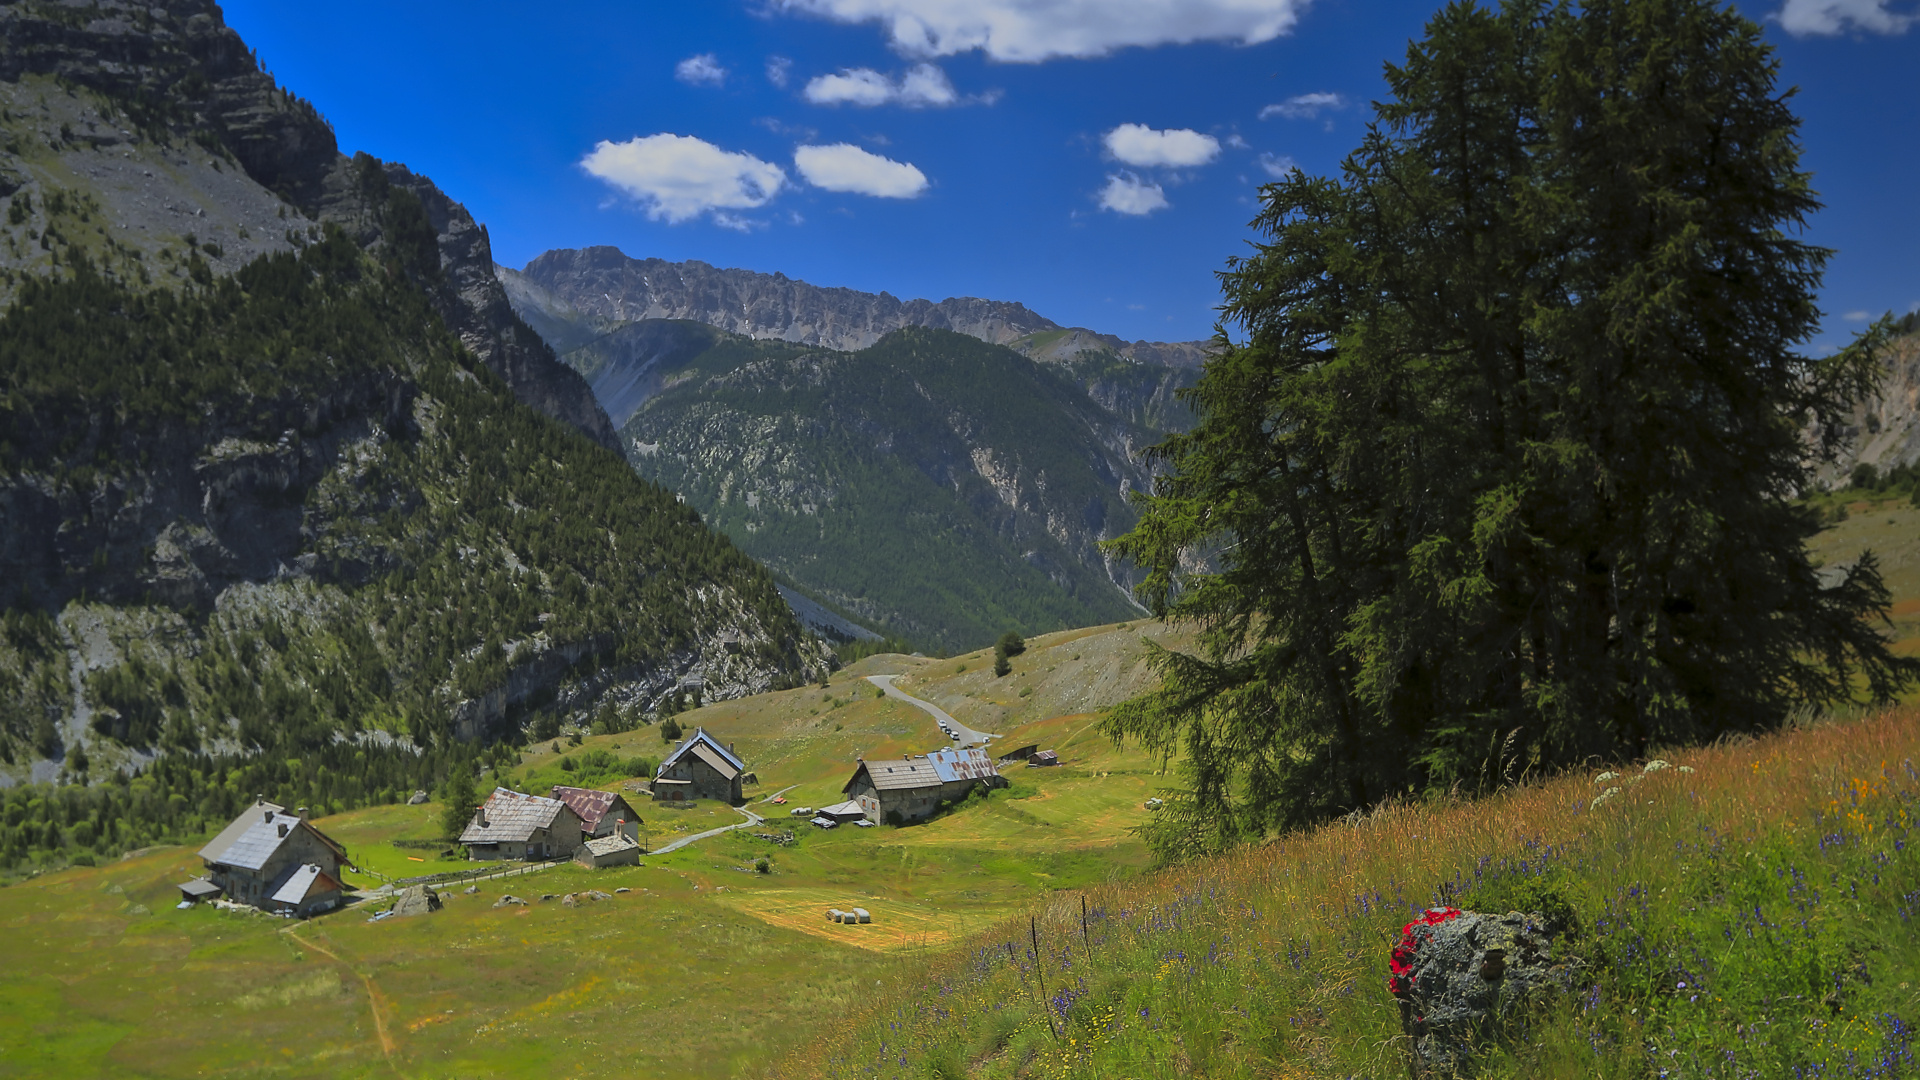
915 787
601 812
699 768
513 825
614 849
275 861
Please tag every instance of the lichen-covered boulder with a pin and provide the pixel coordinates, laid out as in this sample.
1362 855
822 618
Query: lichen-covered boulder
416 900
1462 977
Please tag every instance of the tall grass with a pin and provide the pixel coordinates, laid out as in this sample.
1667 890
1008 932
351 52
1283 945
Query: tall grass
1746 911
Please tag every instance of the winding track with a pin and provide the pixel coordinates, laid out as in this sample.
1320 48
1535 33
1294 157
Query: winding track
968 736
752 820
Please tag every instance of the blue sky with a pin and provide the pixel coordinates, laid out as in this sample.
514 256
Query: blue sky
1095 159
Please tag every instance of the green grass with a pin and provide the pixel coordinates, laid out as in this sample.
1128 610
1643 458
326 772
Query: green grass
1777 879
706 969
94 988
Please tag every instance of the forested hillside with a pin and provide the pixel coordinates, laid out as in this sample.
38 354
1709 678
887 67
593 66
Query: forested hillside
937 486
284 516
290 500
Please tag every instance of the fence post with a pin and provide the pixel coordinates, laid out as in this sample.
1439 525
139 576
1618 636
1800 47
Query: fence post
1039 972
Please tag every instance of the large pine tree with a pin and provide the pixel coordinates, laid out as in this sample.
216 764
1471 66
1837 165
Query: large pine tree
1500 477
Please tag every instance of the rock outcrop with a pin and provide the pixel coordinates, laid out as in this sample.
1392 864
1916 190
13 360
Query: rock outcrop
416 900
1463 977
1883 430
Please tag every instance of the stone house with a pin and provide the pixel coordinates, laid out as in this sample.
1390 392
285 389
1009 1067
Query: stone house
273 860
914 787
699 768
613 849
601 812
514 825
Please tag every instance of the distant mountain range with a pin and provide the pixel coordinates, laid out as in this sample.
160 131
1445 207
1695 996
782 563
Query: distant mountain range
572 296
947 476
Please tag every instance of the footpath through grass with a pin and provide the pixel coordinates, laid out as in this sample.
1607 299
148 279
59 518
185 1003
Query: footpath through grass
1751 914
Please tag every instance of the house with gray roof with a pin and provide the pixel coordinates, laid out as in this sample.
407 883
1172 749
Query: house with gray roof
699 768
515 825
274 860
912 788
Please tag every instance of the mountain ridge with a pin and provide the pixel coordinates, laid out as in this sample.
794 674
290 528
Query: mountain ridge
612 287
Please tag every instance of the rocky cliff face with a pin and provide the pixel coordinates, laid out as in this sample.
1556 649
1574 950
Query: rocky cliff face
172 85
1884 430
604 284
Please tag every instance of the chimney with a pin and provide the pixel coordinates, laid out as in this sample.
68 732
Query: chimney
300 811
283 828
269 816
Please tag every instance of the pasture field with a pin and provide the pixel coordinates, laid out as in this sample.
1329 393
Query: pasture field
1744 910
707 968
1890 528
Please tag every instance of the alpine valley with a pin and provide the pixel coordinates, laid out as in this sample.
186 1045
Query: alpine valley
938 471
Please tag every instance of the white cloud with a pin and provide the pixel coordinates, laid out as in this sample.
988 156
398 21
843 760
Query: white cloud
778 68
1304 106
702 70
1236 142
1029 31
923 86
1180 148
1828 17
1126 193
1276 165
677 177
1857 316
846 167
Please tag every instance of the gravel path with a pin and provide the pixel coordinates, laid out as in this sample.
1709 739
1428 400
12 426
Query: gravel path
752 820
968 736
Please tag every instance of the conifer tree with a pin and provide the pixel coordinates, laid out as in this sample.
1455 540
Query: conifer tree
459 798
1499 475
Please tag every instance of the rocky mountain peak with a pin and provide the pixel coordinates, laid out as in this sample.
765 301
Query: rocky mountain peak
612 287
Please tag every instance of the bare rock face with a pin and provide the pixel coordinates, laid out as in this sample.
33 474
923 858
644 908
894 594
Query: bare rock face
1883 430
184 78
1462 977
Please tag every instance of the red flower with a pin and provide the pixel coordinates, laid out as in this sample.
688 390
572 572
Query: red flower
1400 981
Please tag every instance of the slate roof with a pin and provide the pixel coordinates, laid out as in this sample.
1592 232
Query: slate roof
303 882
607 845
199 888
592 805
849 809
234 830
512 817
698 739
250 841
896 775
720 765
954 765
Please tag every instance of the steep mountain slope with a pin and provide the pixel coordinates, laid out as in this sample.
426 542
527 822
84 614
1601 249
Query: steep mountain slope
936 485
940 486
163 115
1884 430
275 511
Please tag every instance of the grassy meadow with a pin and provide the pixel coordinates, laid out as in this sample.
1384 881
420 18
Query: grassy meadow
707 968
1749 911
